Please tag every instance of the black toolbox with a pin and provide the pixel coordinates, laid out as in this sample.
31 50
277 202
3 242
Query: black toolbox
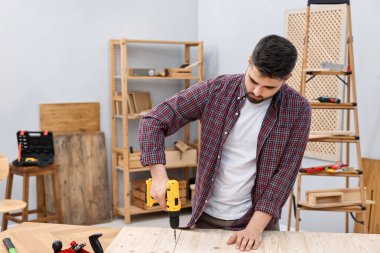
35 148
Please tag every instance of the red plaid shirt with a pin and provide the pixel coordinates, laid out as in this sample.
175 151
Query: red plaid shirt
217 103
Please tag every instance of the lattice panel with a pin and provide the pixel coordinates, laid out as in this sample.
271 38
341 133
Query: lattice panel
327 42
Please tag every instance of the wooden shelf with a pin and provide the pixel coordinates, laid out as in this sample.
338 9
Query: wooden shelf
332 133
341 139
130 116
123 105
347 78
188 43
347 106
347 209
337 174
135 116
326 72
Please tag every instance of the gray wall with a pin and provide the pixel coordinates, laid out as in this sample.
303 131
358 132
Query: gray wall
231 29
57 52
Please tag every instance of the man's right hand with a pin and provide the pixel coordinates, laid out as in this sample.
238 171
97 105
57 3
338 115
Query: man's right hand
159 181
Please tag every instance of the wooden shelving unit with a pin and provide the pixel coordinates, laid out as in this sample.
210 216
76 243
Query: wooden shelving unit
350 136
119 86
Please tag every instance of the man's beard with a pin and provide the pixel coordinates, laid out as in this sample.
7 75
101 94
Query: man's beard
253 100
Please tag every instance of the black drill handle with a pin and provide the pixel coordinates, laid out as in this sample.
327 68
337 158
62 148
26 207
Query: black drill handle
95 244
57 246
8 243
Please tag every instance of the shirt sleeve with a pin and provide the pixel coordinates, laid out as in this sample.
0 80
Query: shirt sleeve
283 179
167 118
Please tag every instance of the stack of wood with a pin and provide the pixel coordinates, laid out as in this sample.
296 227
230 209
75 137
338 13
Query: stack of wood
139 103
174 158
80 153
139 190
4 165
331 198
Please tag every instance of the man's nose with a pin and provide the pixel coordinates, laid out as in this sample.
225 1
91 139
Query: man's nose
258 91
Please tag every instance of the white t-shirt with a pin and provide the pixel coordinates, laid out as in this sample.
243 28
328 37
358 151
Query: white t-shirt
231 196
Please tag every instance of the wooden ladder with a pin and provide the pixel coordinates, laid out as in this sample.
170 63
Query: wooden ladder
348 137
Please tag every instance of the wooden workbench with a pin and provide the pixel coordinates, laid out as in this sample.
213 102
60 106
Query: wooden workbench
37 237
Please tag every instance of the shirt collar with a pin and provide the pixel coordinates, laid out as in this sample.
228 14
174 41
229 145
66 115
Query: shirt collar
242 92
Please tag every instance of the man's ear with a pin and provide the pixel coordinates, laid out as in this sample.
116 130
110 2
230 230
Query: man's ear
249 61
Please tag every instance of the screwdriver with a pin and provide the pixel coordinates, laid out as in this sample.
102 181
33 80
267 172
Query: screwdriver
8 243
324 99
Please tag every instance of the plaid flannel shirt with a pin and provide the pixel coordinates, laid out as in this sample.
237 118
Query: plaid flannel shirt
217 103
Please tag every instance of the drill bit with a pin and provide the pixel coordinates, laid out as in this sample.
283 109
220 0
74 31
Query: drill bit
175 235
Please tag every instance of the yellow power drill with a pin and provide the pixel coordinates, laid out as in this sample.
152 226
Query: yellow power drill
173 203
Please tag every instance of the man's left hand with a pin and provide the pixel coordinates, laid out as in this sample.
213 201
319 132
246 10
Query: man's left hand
247 239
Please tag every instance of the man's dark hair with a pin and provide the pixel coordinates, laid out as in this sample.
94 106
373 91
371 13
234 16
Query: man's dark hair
274 56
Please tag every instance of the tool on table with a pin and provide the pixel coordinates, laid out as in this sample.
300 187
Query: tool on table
79 248
173 203
324 168
324 99
8 243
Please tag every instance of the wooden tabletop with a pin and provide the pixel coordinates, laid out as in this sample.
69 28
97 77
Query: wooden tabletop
37 237
212 240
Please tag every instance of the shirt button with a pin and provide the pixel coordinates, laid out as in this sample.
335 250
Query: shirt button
238 98
206 201
225 132
237 114
219 156
212 179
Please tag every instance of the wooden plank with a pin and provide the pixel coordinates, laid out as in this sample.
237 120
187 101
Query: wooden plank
350 196
371 173
190 43
318 105
174 158
4 167
332 133
321 198
82 175
341 243
141 100
200 240
159 240
38 237
70 117
212 240
131 105
181 146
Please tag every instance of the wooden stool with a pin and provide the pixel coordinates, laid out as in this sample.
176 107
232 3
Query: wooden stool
42 215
